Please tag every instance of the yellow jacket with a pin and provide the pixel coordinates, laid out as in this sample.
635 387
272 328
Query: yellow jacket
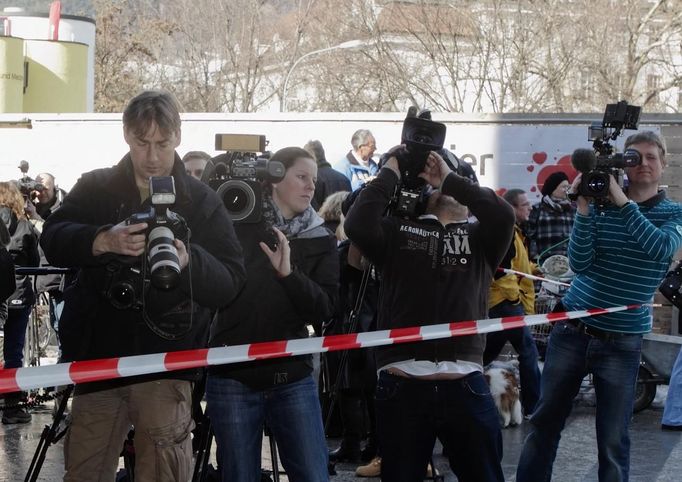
512 287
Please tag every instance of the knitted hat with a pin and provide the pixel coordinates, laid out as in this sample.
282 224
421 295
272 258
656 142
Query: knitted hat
552 182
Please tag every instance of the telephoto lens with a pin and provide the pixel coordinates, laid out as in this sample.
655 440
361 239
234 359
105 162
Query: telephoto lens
164 264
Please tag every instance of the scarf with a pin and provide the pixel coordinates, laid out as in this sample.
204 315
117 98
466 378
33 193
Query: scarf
558 205
298 226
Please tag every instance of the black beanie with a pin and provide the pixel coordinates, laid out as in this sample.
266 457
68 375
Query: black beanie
552 182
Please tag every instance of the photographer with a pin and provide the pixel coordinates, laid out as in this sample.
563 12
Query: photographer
438 269
619 252
291 283
91 232
23 247
48 199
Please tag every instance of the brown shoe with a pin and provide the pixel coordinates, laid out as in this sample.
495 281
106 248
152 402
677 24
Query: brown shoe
372 469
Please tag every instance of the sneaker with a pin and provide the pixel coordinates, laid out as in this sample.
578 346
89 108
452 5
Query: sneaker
15 415
372 469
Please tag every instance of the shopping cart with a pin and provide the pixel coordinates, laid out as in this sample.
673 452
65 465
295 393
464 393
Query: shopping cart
544 303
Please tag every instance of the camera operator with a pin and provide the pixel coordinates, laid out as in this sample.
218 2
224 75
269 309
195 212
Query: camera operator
290 284
438 269
91 232
198 164
619 253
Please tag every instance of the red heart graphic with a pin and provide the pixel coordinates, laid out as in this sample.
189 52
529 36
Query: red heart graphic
530 168
539 157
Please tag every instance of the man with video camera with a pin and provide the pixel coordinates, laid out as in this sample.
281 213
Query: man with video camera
141 288
620 249
437 268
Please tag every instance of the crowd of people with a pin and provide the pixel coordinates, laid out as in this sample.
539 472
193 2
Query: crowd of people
314 261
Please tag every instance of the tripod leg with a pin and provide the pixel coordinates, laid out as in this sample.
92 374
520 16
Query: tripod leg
47 438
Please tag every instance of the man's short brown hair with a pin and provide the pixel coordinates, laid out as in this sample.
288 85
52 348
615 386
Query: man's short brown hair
152 106
648 137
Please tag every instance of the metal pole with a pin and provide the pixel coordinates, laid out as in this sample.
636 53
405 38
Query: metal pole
345 45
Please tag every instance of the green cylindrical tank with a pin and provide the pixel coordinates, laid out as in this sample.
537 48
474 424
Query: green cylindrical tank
57 76
11 75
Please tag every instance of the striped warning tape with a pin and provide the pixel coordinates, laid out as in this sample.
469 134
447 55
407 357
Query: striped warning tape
15 379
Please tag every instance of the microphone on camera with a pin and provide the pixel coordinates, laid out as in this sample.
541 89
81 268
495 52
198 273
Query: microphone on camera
583 160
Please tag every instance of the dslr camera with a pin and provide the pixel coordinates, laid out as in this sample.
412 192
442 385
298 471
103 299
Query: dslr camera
606 161
239 174
160 266
420 136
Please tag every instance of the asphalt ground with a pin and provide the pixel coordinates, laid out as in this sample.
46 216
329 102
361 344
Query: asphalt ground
656 454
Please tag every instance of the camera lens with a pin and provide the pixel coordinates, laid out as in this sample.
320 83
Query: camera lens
122 295
596 184
163 258
239 199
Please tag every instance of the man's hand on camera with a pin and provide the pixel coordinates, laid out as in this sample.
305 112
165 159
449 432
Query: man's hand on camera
582 203
435 171
616 194
128 240
280 258
183 256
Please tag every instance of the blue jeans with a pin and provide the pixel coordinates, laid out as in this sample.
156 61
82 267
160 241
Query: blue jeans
15 336
293 415
411 413
571 355
672 413
523 343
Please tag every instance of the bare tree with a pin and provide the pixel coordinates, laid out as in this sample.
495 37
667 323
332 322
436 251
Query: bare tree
128 41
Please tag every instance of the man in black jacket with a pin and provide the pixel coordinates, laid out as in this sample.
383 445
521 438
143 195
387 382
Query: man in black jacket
436 269
113 311
329 180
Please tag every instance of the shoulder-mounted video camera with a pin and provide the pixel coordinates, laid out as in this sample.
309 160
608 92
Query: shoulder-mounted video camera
420 136
239 174
603 160
160 265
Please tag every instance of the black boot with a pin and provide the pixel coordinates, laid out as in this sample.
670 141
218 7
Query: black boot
370 449
348 451
15 414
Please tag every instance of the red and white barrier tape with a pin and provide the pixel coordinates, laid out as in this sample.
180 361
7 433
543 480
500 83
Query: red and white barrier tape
532 276
15 379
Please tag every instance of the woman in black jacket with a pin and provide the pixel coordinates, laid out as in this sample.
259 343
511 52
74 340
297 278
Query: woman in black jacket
289 286
23 247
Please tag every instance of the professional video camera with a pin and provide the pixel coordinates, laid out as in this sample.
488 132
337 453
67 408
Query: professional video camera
239 173
127 278
26 185
596 165
420 136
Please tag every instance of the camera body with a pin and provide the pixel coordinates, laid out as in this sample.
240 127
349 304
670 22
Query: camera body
26 185
595 181
160 263
239 174
420 136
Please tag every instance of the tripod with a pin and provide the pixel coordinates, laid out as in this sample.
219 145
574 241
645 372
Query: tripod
51 434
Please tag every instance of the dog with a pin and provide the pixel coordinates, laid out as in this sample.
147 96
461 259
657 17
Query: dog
504 388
